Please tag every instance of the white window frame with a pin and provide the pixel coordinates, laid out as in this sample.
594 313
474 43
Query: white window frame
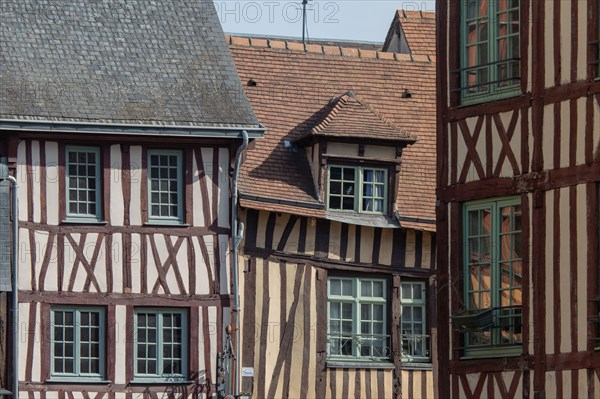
166 219
358 187
77 375
356 300
162 377
414 339
87 217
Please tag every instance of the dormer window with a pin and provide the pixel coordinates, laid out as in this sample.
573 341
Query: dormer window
357 189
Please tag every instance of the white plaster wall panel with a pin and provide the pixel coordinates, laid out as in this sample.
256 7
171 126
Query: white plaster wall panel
202 284
224 269
136 264
36 180
207 163
22 180
52 171
117 210
120 340
224 202
117 262
135 208
212 320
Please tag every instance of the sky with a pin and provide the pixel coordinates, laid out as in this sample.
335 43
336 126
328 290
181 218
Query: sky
355 20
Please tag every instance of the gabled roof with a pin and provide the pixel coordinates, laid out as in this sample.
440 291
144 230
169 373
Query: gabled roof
416 29
135 62
290 84
348 116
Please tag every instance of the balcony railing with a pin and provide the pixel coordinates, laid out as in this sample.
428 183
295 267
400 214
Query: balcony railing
491 327
480 74
359 346
416 348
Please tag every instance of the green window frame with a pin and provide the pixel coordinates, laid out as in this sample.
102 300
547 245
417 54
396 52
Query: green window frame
77 343
493 276
361 189
357 319
165 186
161 345
83 182
489 50
413 325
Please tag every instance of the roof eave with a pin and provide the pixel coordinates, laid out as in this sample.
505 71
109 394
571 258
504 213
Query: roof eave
233 132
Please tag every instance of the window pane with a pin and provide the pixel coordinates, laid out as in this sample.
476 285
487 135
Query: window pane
164 171
82 174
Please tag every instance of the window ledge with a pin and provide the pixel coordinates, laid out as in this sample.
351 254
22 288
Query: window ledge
83 221
417 366
161 381
78 380
169 223
509 351
349 364
362 219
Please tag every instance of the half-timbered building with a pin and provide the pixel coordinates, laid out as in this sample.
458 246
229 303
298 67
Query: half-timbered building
120 122
518 188
338 200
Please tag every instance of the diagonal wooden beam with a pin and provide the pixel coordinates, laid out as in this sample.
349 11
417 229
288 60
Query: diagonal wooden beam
505 138
162 280
173 251
46 261
80 258
163 270
86 287
471 143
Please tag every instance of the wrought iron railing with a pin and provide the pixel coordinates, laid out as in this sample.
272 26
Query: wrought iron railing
359 346
491 327
416 347
467 88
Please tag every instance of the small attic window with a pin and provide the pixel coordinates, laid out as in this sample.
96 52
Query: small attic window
357 189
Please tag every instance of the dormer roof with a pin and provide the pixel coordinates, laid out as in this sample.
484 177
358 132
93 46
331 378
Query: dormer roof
349 117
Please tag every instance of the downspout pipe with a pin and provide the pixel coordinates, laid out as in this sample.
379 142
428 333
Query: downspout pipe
15 284
237 230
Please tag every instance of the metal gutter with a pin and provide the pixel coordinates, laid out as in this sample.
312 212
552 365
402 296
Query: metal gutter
237 231
131 129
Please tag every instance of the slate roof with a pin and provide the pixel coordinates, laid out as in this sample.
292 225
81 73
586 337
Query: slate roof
349 116
294 84
418 28
160 62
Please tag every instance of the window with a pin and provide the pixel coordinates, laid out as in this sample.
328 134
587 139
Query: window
77 343
161 344
357 189
415 341
83 183
493 275
357 313
490 52
165 186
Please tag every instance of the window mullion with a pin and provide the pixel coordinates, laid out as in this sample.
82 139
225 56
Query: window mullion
76 342
159 340
358 185
356 324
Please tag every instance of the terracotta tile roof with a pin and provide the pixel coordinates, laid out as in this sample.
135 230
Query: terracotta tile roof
417 27
351 117
292 86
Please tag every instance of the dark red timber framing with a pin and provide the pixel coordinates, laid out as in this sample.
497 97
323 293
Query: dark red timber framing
540 146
